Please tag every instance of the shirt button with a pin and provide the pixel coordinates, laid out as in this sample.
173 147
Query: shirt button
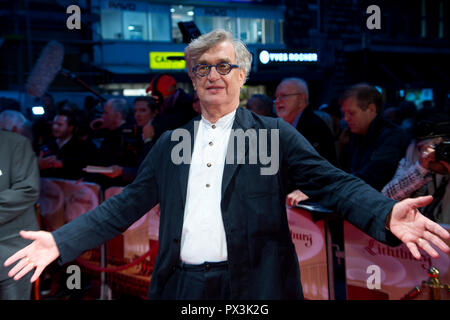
208 185
208 164
210 143
213 126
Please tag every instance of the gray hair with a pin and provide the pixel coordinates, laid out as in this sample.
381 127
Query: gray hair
14 121
301 85
207 41
10 119
261 102
121 106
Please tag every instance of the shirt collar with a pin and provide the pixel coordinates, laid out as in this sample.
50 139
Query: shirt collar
297 119
223 122
61 143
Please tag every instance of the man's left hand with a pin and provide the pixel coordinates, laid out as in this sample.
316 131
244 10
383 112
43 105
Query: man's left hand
116 171
415 230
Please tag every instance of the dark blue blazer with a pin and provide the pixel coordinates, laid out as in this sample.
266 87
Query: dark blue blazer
262 259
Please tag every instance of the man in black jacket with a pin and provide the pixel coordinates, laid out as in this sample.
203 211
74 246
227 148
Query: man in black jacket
120 145
376 145
66 154
224 232
292 104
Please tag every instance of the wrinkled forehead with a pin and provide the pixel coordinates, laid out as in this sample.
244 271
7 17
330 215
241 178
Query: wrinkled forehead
59 119
287 87
350 104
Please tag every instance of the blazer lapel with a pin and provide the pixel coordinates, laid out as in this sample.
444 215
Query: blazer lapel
183 169
241 121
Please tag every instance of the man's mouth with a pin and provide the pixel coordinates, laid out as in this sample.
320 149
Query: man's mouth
214 88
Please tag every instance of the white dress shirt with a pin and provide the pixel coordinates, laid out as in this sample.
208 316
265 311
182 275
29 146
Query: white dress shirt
203 235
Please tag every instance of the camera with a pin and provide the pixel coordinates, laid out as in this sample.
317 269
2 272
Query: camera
442 151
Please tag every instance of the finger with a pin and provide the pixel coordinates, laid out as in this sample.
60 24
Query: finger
18 255
422 201
30 266
413 249
37 273
19 266
435 228
30 235
425 245
436 241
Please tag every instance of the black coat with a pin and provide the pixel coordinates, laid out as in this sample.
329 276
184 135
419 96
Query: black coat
316 131
262 259
375 156
75 155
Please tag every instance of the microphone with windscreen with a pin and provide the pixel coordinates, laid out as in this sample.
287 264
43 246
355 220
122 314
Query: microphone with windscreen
47 67
45 70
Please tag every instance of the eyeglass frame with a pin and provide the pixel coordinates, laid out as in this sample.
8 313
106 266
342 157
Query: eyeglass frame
210 66
287 95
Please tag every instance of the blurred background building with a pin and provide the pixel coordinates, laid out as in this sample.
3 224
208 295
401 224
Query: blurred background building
122 44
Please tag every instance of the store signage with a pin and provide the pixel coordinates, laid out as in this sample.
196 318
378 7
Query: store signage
167 60
124 5
129 6
286 57
218 12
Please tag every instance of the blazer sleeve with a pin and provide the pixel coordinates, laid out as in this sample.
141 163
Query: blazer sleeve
114 215
347 195
24 186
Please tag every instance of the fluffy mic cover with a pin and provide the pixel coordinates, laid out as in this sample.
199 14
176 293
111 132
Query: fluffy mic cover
45 70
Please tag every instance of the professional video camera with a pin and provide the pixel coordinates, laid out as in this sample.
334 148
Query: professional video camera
434 126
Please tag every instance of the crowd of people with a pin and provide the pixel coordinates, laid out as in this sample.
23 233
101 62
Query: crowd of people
393 150
218 216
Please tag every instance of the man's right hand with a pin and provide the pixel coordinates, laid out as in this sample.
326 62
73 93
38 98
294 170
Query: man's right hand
295 197
38 255
47 162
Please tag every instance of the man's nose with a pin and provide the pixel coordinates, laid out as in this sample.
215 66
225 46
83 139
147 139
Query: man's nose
213 74
277 101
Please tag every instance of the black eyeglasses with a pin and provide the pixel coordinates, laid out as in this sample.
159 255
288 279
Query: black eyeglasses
223 68
283 97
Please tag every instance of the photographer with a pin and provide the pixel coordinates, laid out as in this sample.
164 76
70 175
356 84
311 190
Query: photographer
425 169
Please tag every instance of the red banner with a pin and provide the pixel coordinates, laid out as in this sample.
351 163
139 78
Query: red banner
309 240
378 271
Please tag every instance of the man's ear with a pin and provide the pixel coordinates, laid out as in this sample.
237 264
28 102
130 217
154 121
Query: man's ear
241 77
373 108
192 77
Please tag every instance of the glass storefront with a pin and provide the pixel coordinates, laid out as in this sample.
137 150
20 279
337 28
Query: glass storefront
180 13
146 23
149 22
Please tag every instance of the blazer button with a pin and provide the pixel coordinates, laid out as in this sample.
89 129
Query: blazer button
176 241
